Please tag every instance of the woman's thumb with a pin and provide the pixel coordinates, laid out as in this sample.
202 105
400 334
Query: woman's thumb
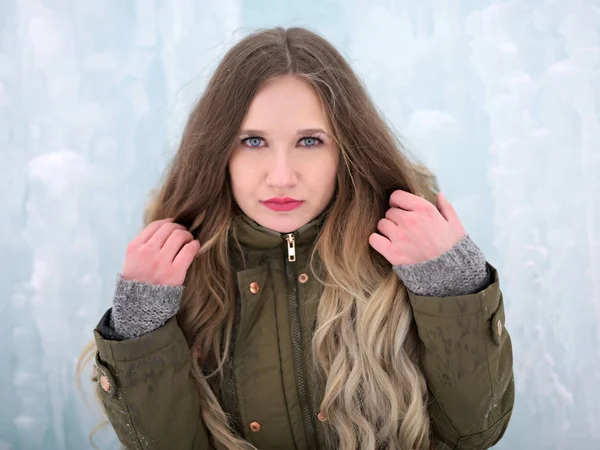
446 209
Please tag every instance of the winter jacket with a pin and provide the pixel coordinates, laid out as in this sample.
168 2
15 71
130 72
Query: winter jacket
271 391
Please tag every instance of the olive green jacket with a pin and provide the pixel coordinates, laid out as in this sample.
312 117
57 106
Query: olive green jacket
272 393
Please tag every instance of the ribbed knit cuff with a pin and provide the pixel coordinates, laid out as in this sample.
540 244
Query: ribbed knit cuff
461 270
139 308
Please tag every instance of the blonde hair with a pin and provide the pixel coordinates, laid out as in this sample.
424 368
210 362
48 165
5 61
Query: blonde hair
365 343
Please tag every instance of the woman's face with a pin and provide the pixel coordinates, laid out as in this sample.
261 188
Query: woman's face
284 164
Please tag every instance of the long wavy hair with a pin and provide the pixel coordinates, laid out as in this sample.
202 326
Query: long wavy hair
365 344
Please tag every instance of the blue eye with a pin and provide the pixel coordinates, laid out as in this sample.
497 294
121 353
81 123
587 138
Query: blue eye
253 141
311 141
258 142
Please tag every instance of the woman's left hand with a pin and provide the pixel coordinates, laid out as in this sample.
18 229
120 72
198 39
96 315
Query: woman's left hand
414 230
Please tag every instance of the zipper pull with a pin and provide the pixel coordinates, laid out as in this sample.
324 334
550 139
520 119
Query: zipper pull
291 247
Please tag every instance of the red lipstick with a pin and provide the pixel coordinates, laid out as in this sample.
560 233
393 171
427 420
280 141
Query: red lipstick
282 203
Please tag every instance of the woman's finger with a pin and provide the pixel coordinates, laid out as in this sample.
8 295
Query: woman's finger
158 239
387 228
175 242
381 244
149 231
396 215
449 213
186 255
407 201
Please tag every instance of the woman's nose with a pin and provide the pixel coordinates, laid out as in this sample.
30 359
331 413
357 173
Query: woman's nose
281 173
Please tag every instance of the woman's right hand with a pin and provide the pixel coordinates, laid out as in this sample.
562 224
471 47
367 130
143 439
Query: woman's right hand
161 254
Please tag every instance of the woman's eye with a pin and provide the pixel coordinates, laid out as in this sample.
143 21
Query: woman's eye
257 142
311 141
253 141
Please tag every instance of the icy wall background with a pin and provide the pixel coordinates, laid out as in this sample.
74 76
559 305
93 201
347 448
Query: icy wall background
501 98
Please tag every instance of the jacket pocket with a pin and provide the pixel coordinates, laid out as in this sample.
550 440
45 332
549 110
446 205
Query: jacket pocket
114 405
254 290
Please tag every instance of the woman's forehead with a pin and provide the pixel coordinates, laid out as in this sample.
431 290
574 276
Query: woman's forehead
286 102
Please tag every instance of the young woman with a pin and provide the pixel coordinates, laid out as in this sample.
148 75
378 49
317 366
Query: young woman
300 284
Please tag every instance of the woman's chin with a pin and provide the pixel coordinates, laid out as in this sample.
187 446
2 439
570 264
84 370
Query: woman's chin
282 223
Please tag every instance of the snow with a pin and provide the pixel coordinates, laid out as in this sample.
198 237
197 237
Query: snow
501 98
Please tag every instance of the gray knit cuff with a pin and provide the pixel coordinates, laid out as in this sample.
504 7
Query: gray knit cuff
461 270
139 308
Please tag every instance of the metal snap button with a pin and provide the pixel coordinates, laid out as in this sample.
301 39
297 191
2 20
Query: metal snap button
254 287
104 383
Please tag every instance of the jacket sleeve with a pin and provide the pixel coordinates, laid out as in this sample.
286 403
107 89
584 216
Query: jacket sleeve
467 361
147 392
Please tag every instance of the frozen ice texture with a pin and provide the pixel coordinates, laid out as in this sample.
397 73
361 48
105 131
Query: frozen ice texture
501 98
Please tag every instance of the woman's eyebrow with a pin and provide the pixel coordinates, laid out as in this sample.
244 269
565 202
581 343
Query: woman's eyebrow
254 132
299 132
313 131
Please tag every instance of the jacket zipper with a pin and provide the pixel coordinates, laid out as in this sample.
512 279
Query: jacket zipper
291 247
290 270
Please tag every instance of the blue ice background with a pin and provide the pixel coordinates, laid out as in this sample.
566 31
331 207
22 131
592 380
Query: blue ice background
501 98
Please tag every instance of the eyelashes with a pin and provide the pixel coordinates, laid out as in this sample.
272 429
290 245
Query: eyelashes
245 140
256 141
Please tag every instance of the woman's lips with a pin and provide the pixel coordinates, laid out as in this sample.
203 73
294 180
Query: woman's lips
282 204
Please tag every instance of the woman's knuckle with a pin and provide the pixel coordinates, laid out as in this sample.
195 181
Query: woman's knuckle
145 251
428 207
181 235
169 226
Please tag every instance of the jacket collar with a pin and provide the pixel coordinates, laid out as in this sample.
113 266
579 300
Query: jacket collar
253 235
